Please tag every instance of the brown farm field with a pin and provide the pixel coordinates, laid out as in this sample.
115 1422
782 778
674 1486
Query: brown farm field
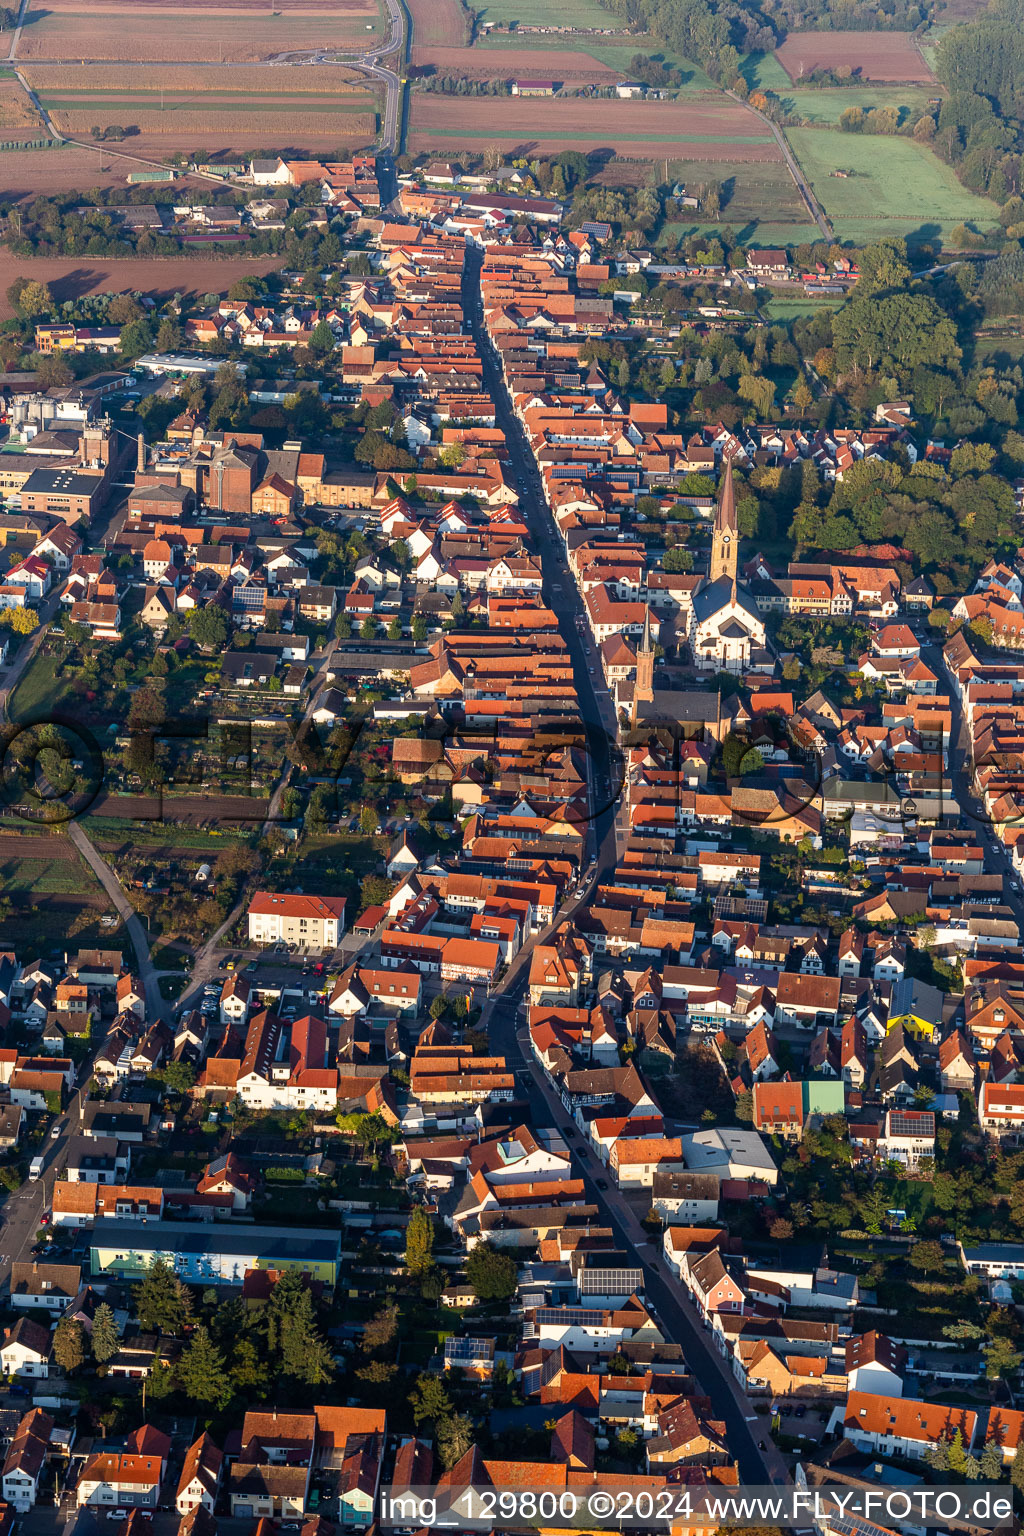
698 128
180 36
17 114
256 80
216 123
871 55
68 168
438 24
70 279
478 64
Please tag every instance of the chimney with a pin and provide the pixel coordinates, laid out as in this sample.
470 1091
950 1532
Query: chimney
140 463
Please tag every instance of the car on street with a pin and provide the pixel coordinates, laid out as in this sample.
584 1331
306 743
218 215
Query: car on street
602 1183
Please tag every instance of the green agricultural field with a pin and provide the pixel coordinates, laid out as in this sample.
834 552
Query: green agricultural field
897 187
764 70
827 106
546 13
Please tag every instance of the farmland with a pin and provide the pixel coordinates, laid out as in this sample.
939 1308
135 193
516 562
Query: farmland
481 64
71 278
717 129
827 106
77 79
215 36
287 127
17 114
438 24
581 14
871 55
759 200
898 187
177 107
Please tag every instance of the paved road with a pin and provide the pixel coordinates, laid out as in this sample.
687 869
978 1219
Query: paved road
502 1012
23 1209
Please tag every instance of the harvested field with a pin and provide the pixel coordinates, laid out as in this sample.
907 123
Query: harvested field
69 168
871 55
70 279
551 65
181 36
266 80
709 128
17 113
187 126
438 24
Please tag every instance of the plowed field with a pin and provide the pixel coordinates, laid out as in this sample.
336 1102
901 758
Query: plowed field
871 55
70 278
709 128
181 36
438 24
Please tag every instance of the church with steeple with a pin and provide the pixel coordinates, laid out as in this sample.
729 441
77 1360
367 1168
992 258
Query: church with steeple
727 632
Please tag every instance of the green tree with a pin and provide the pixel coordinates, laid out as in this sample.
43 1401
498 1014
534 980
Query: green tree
454 1439
927 1257
419 1242
201 1372
395 628
419 629
106 1335
368 628
1001 1358
1017 1468
322 339
69 1345
429 1401
208 628
163 1304
35 300
491 1273
368 821
381 1330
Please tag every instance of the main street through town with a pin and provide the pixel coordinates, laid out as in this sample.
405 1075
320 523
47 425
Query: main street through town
503 1018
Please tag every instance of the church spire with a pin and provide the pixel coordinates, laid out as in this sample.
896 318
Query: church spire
643 686
725 537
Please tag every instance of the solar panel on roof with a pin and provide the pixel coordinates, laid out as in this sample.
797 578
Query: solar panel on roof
580 1317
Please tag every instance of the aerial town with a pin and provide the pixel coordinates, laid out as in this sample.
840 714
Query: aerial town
512 849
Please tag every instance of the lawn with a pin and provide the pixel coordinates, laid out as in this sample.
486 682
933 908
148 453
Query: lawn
897 187
38 689
790 309
827 106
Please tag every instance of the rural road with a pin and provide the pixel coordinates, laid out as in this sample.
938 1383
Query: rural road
803 186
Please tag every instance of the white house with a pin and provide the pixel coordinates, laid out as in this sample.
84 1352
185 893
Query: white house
26 1350
25 1460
